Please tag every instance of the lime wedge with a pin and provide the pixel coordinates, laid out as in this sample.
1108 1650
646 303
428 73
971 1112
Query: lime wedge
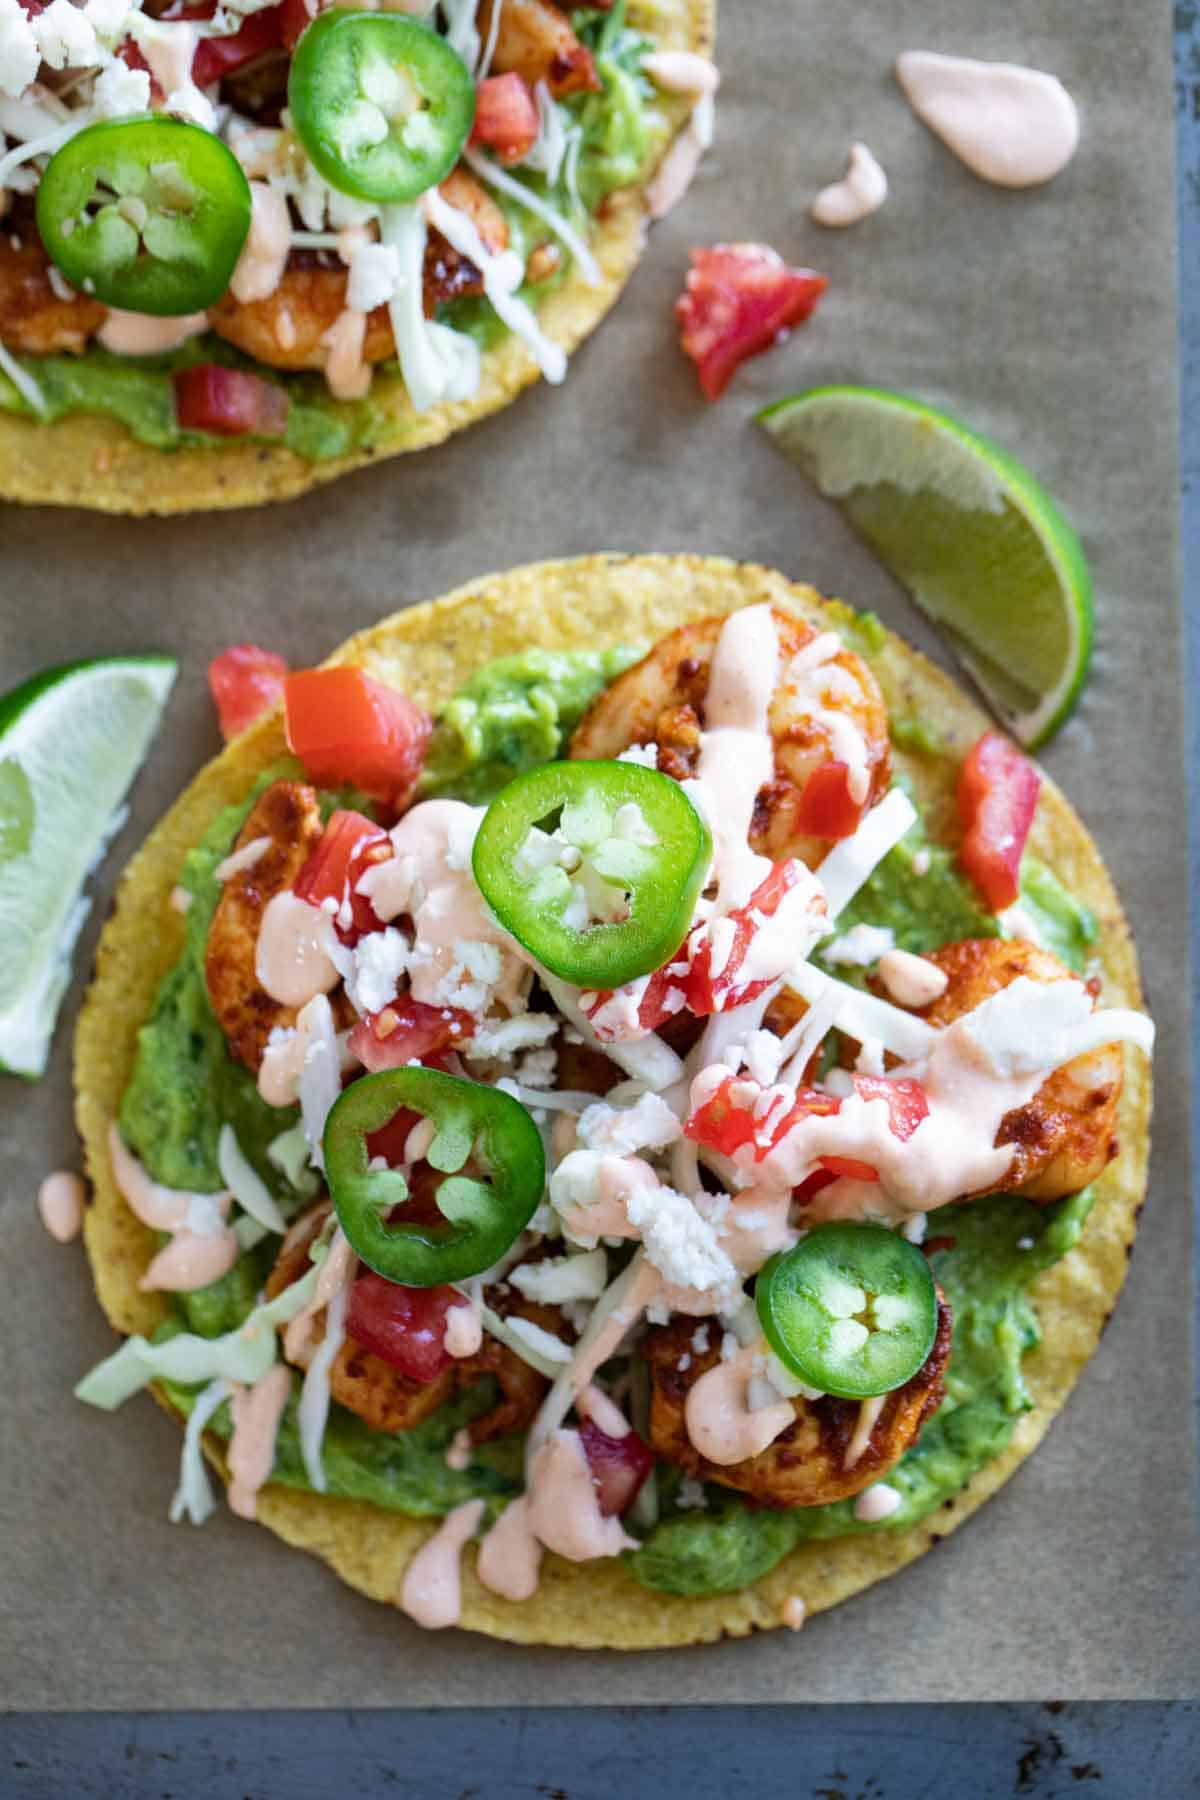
981 547
71 741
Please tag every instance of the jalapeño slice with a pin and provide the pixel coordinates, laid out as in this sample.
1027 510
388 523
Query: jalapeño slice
148 214
851 1309
382 104
595 867
479 1130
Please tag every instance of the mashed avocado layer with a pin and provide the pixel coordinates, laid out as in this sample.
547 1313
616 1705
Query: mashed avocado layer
512 715
618 132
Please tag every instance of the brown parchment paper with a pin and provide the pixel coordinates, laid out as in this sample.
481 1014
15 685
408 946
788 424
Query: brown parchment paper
1046 319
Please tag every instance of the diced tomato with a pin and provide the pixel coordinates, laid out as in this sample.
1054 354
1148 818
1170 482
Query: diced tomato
406 1326
619 1466
217 57
229 402
726 1121
245 681
408 1031
722 1124
846 1168
737 300
997 798
347 728
391 1140
506 116
811 1186
810 1104
907 1101
707 993
350 844
826 809
298 15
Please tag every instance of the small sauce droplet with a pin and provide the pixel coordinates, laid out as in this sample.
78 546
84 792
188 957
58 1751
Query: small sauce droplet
60 1204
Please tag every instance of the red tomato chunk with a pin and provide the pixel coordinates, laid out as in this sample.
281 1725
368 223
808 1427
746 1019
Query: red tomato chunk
408 1031
997 797
506 117
348 729
351 844
229 402
826 809
737 301
406 1326
245 681
619 1466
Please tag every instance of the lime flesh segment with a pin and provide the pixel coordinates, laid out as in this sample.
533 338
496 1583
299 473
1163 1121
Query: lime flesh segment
981 547
71 742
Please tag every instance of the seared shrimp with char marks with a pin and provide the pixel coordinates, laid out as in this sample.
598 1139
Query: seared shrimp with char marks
288 816
288 329
34 321
660 700
1066 1135
534 40
808 1464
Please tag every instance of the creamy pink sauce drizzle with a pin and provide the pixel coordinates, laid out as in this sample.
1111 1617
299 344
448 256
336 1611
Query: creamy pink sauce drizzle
256 1414
877 1503
861 192
335 1273
264 254
431 1593
1012 126
594 1404
202 1248
793 1612
347 375
677 171
292 959
720 1421
60 1204
912 980
284 1059
736 755
430 877
510 1556
139 334
564 1507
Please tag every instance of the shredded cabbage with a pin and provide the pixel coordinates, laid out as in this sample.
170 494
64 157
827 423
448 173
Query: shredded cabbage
247 1187
194 1497
241 1355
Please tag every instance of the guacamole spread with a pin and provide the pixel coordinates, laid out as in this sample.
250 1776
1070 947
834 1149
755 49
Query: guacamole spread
510 716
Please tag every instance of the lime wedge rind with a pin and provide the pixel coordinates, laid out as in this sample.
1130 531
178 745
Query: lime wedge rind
74 737
955 517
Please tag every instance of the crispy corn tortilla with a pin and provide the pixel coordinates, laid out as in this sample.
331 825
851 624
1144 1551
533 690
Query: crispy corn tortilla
90 460
429 651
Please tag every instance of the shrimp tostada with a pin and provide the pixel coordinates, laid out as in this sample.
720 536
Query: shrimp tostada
673 1114
245 248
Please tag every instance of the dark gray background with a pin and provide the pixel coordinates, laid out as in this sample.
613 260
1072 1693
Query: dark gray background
1098 352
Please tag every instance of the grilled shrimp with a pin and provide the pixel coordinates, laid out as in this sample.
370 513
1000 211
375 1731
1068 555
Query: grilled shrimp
387 1400
287 329
806 1465
537 42
660 700
1065 1136
33 320
287 815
